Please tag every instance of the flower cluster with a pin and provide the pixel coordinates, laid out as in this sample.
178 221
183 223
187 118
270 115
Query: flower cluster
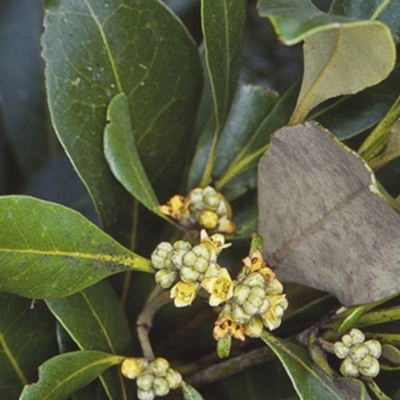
257 302
360 357
189 268
253 301
201 208
153 379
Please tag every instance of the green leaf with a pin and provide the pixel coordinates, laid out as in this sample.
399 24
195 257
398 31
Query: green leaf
250 107
106 328
27 339
340 238
96 49
309 381
190 393
350 115
23 98
223 26
386 11
122 155
48 250
341 55
63 375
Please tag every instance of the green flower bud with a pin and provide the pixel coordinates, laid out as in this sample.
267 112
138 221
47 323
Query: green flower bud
210 198
159 367
160 387
173 378
341 350
196 196
182 245
160 255
374 347
358 352
145 394
239 315
369 366
222 208
258 291
166 278
348 368
176 258
203 251
254 279
190 258
240 294
254 327
357 336
265 305
255 300
250 309
145 381
189 275
347 340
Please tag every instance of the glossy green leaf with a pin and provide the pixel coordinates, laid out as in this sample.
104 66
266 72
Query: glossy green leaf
385 11
341 55
27 339
99 310
190 393
324 219
250 107
223 26
48 250
23 98
95 49
309 381
63 375
122 155
350 115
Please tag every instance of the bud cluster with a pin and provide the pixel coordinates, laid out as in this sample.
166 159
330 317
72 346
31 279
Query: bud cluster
257 302
153 379
201 208
360 357
189 268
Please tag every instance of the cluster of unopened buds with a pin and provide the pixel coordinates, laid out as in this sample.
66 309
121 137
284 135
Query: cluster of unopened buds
201 208
155 378
360 357
253 301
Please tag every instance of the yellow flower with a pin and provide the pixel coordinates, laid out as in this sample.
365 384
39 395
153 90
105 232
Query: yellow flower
220 287
225 327
215 243
226 225
174 207
184 293
256 263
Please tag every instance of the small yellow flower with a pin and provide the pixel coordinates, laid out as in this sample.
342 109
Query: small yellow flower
220 287
256 263
226 225
184 293
174 207
225 327
215 242
273 316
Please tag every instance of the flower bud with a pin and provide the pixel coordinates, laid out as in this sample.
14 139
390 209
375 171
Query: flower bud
254 327
369 366
348 368
159 367
358 352
160 255
145 381
166 278
357 336
241 293
182 245
208 219
145 394
131 368
173 378
374 347
189 275
341 350
210 198
347 340
254 279
160 387
239 315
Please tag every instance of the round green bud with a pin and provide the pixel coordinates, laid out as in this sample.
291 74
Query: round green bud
157 261
173 378
201 265
369 366
160 387
176 258
347 340
264 306
357 336
258 291
250 308
190 258
254 327
255 300
374 347
182 245
341 350
160 367
348 368
203 251
240 294
145 394
222 208
210 198
254 279
358 352
196 196
189 275
145 381
166 278
239 315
